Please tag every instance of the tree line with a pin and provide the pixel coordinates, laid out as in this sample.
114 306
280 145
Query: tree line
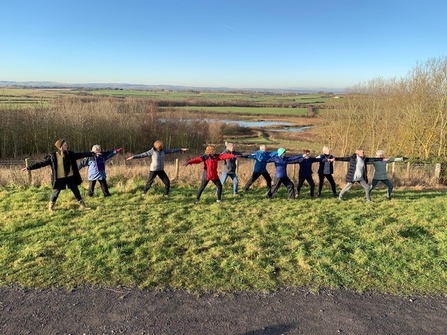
404 116
131 122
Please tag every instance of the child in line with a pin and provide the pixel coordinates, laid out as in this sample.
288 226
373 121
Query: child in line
380 174
157 153
210 161
97 169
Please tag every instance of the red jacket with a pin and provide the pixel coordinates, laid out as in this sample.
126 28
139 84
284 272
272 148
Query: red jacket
210 163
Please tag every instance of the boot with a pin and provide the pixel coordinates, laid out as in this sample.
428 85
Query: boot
82 205
51 206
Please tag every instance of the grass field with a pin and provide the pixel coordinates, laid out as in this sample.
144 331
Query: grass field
33 96
245 243
219 96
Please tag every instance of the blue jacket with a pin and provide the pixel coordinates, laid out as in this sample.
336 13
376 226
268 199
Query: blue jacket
96 165
281 164
261 159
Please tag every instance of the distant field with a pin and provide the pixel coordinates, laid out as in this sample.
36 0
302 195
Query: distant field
14 98
221 96
26 97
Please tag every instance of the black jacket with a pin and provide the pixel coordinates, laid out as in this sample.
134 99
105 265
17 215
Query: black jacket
324 163
51 160
352 163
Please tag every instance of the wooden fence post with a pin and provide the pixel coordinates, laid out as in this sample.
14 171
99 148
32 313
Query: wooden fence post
438 171
408 169
30 178
176 168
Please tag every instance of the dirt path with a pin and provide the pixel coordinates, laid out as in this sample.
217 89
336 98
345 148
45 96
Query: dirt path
130 311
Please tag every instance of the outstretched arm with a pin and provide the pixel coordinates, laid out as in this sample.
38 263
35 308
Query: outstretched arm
195 160
79 155
142 155
110 154
342 159
46 161
295 159
83 163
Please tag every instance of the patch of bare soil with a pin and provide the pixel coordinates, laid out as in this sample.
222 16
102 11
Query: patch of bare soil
132 311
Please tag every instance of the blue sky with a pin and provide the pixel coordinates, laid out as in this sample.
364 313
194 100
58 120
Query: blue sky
219 43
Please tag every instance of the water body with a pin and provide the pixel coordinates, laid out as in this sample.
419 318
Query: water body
267 125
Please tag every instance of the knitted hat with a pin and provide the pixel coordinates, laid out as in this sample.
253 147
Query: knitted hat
59 143
281 151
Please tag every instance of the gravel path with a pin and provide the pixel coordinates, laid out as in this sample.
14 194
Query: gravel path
132 311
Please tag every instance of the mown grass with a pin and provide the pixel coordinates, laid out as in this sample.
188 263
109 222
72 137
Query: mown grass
245 243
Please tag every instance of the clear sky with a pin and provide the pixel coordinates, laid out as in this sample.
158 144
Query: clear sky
219 43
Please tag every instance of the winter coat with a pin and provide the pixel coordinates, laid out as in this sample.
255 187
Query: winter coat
325 166
96 165
306 166
261 158
51 160
380 168
281 164
229 165
158 157
210 163
352 166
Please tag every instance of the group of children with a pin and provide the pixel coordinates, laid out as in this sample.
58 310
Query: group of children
65 170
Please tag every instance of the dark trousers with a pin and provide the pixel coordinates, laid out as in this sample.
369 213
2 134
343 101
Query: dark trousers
102 183
164 178
287 183
62 184
255 176
203 185
309 180
386 182
331 181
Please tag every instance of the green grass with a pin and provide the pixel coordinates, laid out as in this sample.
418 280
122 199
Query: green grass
219 96
246 243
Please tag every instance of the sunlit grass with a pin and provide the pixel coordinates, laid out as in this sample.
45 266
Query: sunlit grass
244 243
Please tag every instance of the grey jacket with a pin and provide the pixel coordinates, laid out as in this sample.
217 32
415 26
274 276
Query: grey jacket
158 157
380 168
229 165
